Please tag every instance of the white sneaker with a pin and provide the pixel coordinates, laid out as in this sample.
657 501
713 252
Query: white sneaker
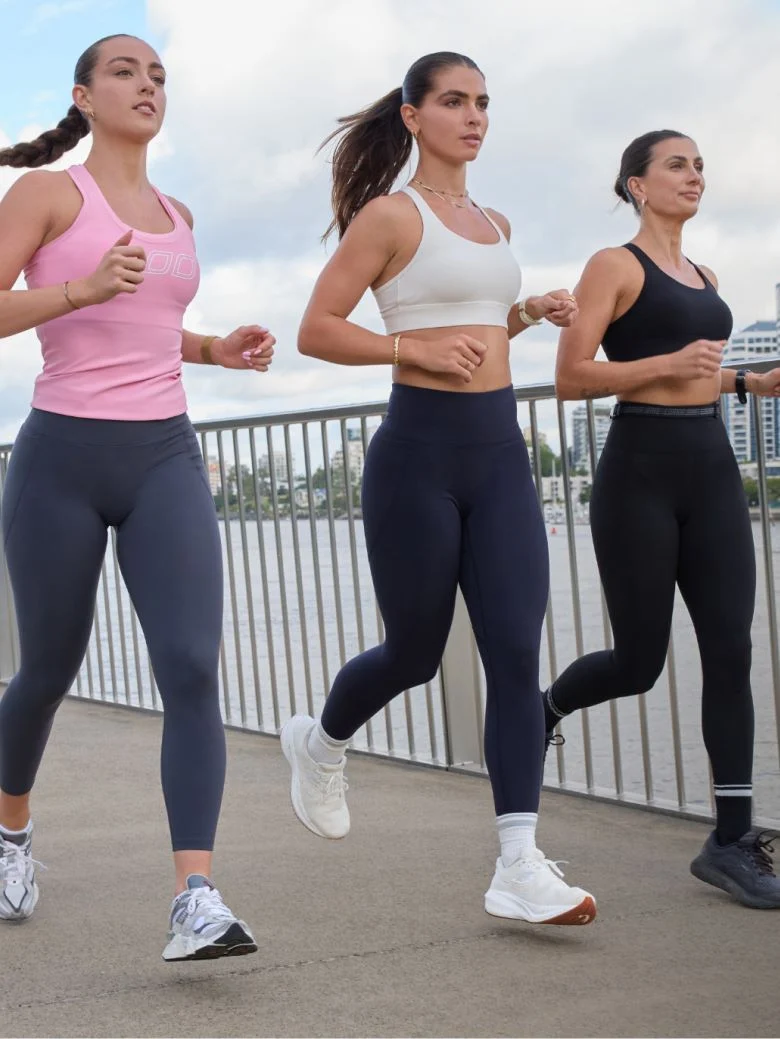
18 889
202 927
317 790
533 889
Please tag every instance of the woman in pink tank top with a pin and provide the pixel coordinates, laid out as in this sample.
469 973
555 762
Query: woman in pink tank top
110 266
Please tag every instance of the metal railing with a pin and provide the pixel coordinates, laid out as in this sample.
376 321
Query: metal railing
299 603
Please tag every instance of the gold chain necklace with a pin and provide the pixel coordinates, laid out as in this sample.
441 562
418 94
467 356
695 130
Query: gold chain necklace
445 196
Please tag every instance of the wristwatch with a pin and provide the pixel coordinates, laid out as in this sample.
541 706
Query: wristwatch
740 385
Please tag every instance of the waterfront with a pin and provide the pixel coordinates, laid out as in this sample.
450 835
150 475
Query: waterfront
302 603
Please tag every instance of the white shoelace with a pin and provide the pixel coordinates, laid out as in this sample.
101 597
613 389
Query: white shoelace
330 785
14 862
210 900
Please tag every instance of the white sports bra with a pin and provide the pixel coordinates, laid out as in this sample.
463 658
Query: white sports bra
450 280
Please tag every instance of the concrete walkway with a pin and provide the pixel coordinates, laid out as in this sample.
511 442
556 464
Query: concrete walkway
379 935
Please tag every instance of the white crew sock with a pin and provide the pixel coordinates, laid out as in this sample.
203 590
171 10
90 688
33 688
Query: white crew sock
323 748
17 836
517 834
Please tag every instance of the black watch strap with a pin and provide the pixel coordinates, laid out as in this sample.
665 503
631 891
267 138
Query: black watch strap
741 386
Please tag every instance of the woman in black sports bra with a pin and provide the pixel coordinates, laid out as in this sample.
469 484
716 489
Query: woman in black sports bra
668 505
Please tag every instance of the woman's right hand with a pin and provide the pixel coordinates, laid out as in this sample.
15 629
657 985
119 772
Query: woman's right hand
456 355
698 360
120 270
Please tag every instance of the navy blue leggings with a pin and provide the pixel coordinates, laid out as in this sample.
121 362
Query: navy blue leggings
68 480
448 498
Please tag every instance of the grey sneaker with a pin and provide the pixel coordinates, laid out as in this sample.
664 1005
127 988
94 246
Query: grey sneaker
203 928
743 869
18 889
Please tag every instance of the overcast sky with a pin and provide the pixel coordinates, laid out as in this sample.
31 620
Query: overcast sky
254 86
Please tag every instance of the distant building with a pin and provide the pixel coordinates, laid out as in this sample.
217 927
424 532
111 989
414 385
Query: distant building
280 467
215 483
756 342
355 457
580 450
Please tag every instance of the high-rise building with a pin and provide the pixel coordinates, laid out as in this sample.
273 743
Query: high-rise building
580 452
280 467
753 343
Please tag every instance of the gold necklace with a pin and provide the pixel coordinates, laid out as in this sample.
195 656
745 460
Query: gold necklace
445 196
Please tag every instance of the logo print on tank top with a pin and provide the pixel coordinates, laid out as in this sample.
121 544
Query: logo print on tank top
178 265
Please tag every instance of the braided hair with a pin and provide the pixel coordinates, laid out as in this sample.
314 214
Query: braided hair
52 144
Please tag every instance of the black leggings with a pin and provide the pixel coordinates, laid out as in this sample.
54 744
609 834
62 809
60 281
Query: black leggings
448 498
69 479
668 507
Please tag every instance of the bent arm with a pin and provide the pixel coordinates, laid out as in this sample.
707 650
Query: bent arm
578 376
24 222
362 255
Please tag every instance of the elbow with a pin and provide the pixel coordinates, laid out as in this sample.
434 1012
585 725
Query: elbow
307 341
565 387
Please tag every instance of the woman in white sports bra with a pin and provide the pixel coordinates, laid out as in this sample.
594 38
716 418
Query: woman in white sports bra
448 497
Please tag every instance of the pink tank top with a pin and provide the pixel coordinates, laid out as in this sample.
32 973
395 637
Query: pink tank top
120 359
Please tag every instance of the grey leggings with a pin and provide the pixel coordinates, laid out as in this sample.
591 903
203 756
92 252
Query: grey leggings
69 480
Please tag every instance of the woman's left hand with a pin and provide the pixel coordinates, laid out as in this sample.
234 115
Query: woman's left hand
768 384
249 347
558 307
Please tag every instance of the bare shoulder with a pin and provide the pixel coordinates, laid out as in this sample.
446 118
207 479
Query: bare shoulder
43 185
182 209
501 220
709 274
613 266
385 219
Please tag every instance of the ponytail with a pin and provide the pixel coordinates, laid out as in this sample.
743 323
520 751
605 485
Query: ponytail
373 150
50 145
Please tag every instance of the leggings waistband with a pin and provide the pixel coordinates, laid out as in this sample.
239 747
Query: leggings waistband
630 407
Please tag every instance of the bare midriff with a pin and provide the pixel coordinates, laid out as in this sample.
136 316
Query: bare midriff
492 374
671 392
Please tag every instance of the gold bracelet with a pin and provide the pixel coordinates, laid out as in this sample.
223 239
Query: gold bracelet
73 306
205 349
396 358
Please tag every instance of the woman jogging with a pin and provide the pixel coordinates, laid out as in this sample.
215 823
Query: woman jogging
448 497
110 267
668 507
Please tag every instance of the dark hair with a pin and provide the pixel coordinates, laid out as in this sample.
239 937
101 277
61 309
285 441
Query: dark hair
376 144
636 158
68 132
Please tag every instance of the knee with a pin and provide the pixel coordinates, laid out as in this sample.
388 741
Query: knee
638 672
411 667
729 658
187 673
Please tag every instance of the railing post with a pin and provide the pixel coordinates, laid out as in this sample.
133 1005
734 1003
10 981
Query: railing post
462 703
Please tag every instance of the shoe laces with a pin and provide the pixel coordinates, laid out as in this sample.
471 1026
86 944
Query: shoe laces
14 860
539 861
557 739
759 847
331 786
208 898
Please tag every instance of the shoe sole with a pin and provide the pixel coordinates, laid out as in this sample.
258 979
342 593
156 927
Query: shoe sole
235 942
288 749
508 908
715 877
